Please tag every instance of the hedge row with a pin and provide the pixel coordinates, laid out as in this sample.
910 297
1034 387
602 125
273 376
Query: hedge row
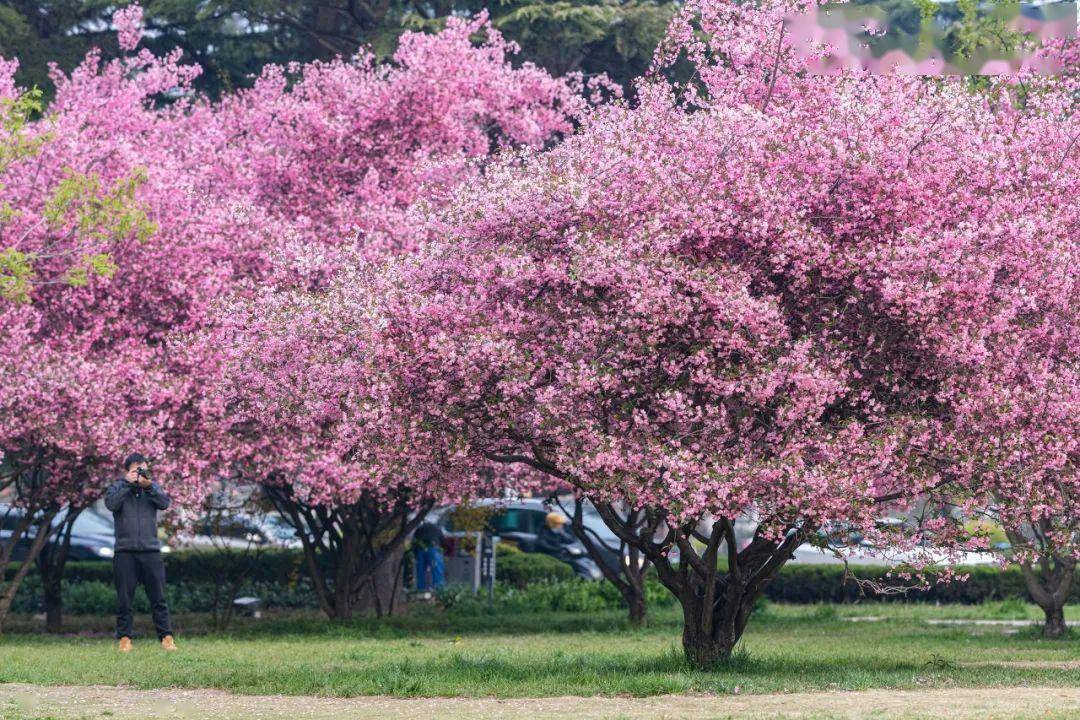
282 567
517 569
96 597
286 567
825 583
279 578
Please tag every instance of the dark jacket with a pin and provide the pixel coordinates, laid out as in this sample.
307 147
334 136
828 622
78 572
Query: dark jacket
134 512
428 535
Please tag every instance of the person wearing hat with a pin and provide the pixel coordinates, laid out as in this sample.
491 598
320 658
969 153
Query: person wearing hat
134 501
554 538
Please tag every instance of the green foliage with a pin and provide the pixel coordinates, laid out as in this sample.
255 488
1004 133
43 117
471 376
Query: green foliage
617 38
194 582
15 113
81 205
16 274
283 567
978 29
966 31
16 266
825 584
542 596
82 202
234 39
519 569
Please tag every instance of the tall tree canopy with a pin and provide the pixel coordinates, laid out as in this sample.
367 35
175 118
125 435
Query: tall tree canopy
758 292
233 39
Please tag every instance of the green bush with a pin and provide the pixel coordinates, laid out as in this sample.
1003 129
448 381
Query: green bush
92 598
519 569
527 582
808 584
270 566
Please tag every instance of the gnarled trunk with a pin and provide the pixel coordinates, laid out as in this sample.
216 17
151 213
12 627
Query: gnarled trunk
353 552
51 562
1049 578
1049 587
42 521
1055 622
716 603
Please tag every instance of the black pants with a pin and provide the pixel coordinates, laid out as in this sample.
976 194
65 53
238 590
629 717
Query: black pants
130 569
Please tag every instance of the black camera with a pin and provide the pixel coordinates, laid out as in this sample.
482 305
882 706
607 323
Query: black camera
143 472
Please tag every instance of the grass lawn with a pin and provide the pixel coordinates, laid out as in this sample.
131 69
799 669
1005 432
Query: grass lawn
431 653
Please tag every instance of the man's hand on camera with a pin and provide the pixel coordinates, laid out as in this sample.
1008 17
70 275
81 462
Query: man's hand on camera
144 481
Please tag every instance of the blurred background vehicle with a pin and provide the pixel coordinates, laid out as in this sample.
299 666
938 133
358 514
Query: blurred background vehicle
240 531
91 535
519 522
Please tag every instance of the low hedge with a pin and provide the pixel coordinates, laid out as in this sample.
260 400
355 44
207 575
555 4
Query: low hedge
518 569
270 566
95 597
825 583
280 579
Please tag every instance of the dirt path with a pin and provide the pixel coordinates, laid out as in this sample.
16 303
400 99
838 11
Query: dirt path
32 701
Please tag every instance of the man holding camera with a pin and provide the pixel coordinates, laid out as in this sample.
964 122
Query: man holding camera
134 501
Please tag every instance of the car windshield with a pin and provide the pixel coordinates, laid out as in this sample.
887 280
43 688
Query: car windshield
517 520
91 523
9 517
279 527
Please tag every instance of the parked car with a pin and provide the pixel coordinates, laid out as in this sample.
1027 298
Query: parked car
240 531
518 522
611 546
92 535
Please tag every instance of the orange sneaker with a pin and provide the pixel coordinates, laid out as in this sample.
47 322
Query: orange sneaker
125 645
167 643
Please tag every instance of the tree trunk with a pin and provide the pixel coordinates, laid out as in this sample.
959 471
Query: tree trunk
628 576
51 562
1048 580
353 552
1055 622
54 608
383 593
44 531
716 603
1050 591
711 631
638 609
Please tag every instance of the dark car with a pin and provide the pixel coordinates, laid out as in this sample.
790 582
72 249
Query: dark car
92 535
519 522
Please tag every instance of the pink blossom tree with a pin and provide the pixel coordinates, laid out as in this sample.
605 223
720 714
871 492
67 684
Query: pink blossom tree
335 158
80 316
1014 413
759 292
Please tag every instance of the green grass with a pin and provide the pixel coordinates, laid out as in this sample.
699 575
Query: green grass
787 648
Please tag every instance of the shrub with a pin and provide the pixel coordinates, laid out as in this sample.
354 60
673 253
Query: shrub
527 582
807 584
93 598
520 569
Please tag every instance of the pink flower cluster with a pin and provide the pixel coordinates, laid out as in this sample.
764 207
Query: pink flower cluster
128 22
